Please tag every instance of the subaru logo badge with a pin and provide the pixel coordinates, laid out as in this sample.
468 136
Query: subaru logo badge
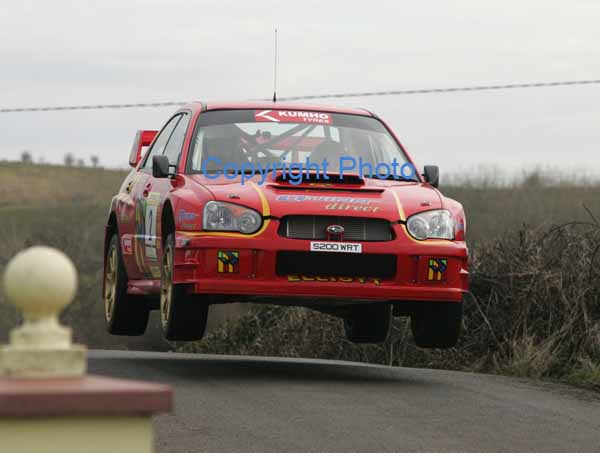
335 232
335 229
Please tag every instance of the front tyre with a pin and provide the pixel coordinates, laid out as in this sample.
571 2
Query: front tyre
183 316
437 324
368 323
124 314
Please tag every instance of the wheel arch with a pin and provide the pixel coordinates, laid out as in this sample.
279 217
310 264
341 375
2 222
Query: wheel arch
111 228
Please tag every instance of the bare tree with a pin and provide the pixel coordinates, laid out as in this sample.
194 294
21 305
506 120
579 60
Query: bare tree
80 163
26 157
69 159
95 161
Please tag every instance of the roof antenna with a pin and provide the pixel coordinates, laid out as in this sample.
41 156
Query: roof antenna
275 76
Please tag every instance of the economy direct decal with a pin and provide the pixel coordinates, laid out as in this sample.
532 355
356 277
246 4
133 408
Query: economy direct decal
332 199
335 203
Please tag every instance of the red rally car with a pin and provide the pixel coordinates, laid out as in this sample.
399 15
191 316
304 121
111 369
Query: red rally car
220 209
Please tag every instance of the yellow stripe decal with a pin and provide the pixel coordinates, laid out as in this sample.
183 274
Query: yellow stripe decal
265 204
398 205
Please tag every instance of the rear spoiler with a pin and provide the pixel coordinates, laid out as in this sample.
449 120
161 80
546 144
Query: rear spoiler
142 139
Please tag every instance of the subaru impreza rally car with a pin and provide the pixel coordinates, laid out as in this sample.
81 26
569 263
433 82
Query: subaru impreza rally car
220 209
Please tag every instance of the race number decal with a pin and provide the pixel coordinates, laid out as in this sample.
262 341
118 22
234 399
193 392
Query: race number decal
291 116
150 223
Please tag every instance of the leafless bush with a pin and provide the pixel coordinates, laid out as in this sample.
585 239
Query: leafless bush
534 311
538 293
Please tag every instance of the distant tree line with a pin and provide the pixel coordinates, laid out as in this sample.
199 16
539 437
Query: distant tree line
69 160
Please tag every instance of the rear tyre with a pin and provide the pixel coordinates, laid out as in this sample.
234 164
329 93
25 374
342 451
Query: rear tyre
437 324
124 314
368 323
183 316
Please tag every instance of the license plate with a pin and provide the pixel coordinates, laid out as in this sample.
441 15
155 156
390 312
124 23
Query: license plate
337 247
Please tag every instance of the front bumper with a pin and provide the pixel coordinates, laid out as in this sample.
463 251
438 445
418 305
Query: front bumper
222 265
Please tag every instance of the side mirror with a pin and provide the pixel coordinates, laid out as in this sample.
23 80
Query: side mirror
160 166
142 138
432 174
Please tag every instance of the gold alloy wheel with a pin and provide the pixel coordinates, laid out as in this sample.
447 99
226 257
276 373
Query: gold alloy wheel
166 287
110 283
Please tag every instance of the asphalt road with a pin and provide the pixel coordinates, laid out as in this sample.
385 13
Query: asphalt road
241 404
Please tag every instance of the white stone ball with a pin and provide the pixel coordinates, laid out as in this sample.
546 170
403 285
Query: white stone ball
40 282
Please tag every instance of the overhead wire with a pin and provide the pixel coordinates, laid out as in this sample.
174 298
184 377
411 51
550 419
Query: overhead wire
504 86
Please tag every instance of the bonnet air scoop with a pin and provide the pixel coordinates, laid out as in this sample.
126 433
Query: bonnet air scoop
326 187
346 180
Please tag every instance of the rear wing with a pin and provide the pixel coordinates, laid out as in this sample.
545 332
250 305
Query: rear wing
142 139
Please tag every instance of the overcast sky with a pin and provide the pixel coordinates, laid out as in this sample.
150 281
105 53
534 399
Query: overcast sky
121 51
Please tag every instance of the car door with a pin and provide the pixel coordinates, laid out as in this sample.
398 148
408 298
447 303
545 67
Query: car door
155 192
148 200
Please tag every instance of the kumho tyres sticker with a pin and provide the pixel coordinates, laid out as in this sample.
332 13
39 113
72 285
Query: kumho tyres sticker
336 247
321 279
291 116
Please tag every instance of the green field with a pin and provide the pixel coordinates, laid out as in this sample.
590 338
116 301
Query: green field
67 208
535 309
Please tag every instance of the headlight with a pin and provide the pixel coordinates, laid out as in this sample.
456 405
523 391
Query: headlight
221 216
436 224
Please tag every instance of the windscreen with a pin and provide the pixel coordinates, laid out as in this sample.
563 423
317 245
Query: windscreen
229 140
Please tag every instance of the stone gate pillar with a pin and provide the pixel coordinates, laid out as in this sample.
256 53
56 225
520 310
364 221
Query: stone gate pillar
47 401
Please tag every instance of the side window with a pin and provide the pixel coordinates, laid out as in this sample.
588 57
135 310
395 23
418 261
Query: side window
173 148
161 140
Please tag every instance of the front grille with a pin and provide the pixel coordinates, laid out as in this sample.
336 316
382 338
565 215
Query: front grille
336 264
355 228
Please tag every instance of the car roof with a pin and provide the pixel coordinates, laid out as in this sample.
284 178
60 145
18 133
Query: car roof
266 105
